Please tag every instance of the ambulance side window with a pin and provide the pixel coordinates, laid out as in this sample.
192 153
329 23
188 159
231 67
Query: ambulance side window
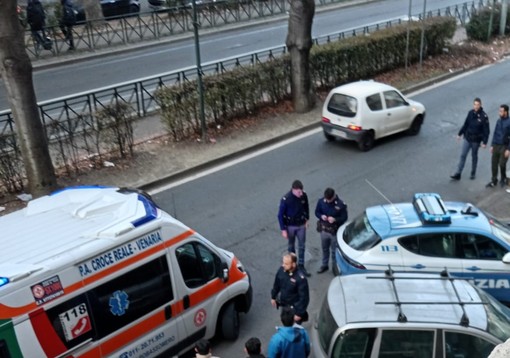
131 296
198 264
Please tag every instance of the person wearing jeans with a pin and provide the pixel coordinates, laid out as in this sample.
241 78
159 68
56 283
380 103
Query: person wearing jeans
476 133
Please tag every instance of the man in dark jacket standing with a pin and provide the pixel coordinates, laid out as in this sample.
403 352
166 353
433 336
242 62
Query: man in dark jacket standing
476 133
67 22
499 146
290 288
36 20
293 215
332 213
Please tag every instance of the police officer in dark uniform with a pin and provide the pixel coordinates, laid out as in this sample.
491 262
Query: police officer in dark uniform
332 213
476 133
290 288
293 216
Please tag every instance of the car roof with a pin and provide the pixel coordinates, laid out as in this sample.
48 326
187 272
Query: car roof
370 298
362 88
398 219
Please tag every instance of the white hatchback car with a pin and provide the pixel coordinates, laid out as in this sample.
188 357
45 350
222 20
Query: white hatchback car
367 110
404 315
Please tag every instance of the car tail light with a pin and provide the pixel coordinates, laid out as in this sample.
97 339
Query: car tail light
353 263
326 120
353 127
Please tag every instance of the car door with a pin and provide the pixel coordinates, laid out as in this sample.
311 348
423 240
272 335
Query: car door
404 343
431 252
482 260
398 116
461 344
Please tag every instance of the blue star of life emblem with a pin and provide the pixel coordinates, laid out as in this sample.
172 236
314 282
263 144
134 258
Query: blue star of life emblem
119 303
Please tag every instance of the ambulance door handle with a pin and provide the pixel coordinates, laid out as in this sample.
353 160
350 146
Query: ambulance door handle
185 301
168 312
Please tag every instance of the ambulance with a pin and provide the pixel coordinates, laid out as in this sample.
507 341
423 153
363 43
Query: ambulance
104 272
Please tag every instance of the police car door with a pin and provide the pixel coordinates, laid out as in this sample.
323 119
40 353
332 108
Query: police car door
201 273
483 262
431 252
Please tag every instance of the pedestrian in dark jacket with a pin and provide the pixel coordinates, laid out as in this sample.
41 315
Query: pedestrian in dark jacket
291 340
290 288
476 133
499 146
67 22
253 348
293 215
332 213
36 19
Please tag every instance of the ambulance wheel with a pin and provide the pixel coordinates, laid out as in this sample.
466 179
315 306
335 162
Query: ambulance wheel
230 322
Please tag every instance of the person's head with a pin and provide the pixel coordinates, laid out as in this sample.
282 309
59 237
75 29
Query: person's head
329 194
297 188
203 347
503 111
287 316
253 346
477 104
289 262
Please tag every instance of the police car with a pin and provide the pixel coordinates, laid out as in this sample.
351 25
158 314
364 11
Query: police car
429 235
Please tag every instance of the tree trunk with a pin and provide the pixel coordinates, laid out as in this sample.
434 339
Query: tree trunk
93 11
16 71
299 43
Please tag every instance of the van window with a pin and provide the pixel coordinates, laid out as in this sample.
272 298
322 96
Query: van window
466 346
359 234
114 304
343 105
406 343
354 343
198 264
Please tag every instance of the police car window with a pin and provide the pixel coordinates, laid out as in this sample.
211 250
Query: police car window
343 105
374 102
481 247
437 245
359 234
130 296
466 346
355 343
406 343
393 99
500 230
410 243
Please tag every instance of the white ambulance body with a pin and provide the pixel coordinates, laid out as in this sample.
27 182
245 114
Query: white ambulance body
100 272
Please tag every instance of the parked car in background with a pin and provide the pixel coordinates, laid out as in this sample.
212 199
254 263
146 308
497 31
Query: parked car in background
111 8
404 315
367 110
429 235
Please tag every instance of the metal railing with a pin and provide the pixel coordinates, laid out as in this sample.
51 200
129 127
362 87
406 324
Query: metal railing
139 94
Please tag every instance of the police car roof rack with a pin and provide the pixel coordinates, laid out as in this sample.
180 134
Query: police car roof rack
443 275
431 209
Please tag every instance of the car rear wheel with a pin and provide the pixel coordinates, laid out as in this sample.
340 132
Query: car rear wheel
415 126
366 142
329 137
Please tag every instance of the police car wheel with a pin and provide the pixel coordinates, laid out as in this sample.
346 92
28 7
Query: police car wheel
230 322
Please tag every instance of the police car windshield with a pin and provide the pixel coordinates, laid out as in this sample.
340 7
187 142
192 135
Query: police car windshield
499 229
498 316
359 234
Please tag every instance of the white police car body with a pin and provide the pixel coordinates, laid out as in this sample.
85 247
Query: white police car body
429 235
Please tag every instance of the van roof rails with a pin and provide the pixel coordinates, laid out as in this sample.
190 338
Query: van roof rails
443 275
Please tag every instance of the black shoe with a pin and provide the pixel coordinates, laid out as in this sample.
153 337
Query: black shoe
473 176
71 48
303 270
491 184
455 176
322 269
502 183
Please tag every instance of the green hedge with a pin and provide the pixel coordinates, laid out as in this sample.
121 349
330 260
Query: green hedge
242 91
478 26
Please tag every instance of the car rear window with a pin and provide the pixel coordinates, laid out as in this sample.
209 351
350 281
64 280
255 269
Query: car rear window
359 234
343 105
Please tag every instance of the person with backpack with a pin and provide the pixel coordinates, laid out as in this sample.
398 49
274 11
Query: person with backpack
67 22
36 20
291 340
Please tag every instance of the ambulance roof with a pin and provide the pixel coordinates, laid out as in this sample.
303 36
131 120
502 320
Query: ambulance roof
52 225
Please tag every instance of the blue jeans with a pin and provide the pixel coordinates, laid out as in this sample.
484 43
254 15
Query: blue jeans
328 244
298 232
466 147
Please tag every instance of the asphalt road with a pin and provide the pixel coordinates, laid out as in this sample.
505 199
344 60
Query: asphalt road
71 78
236 207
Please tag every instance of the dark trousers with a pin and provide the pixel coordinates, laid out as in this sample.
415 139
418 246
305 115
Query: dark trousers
328 244
498 161
68 33
298 232
39 37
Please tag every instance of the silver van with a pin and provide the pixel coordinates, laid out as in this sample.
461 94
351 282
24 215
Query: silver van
403 315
